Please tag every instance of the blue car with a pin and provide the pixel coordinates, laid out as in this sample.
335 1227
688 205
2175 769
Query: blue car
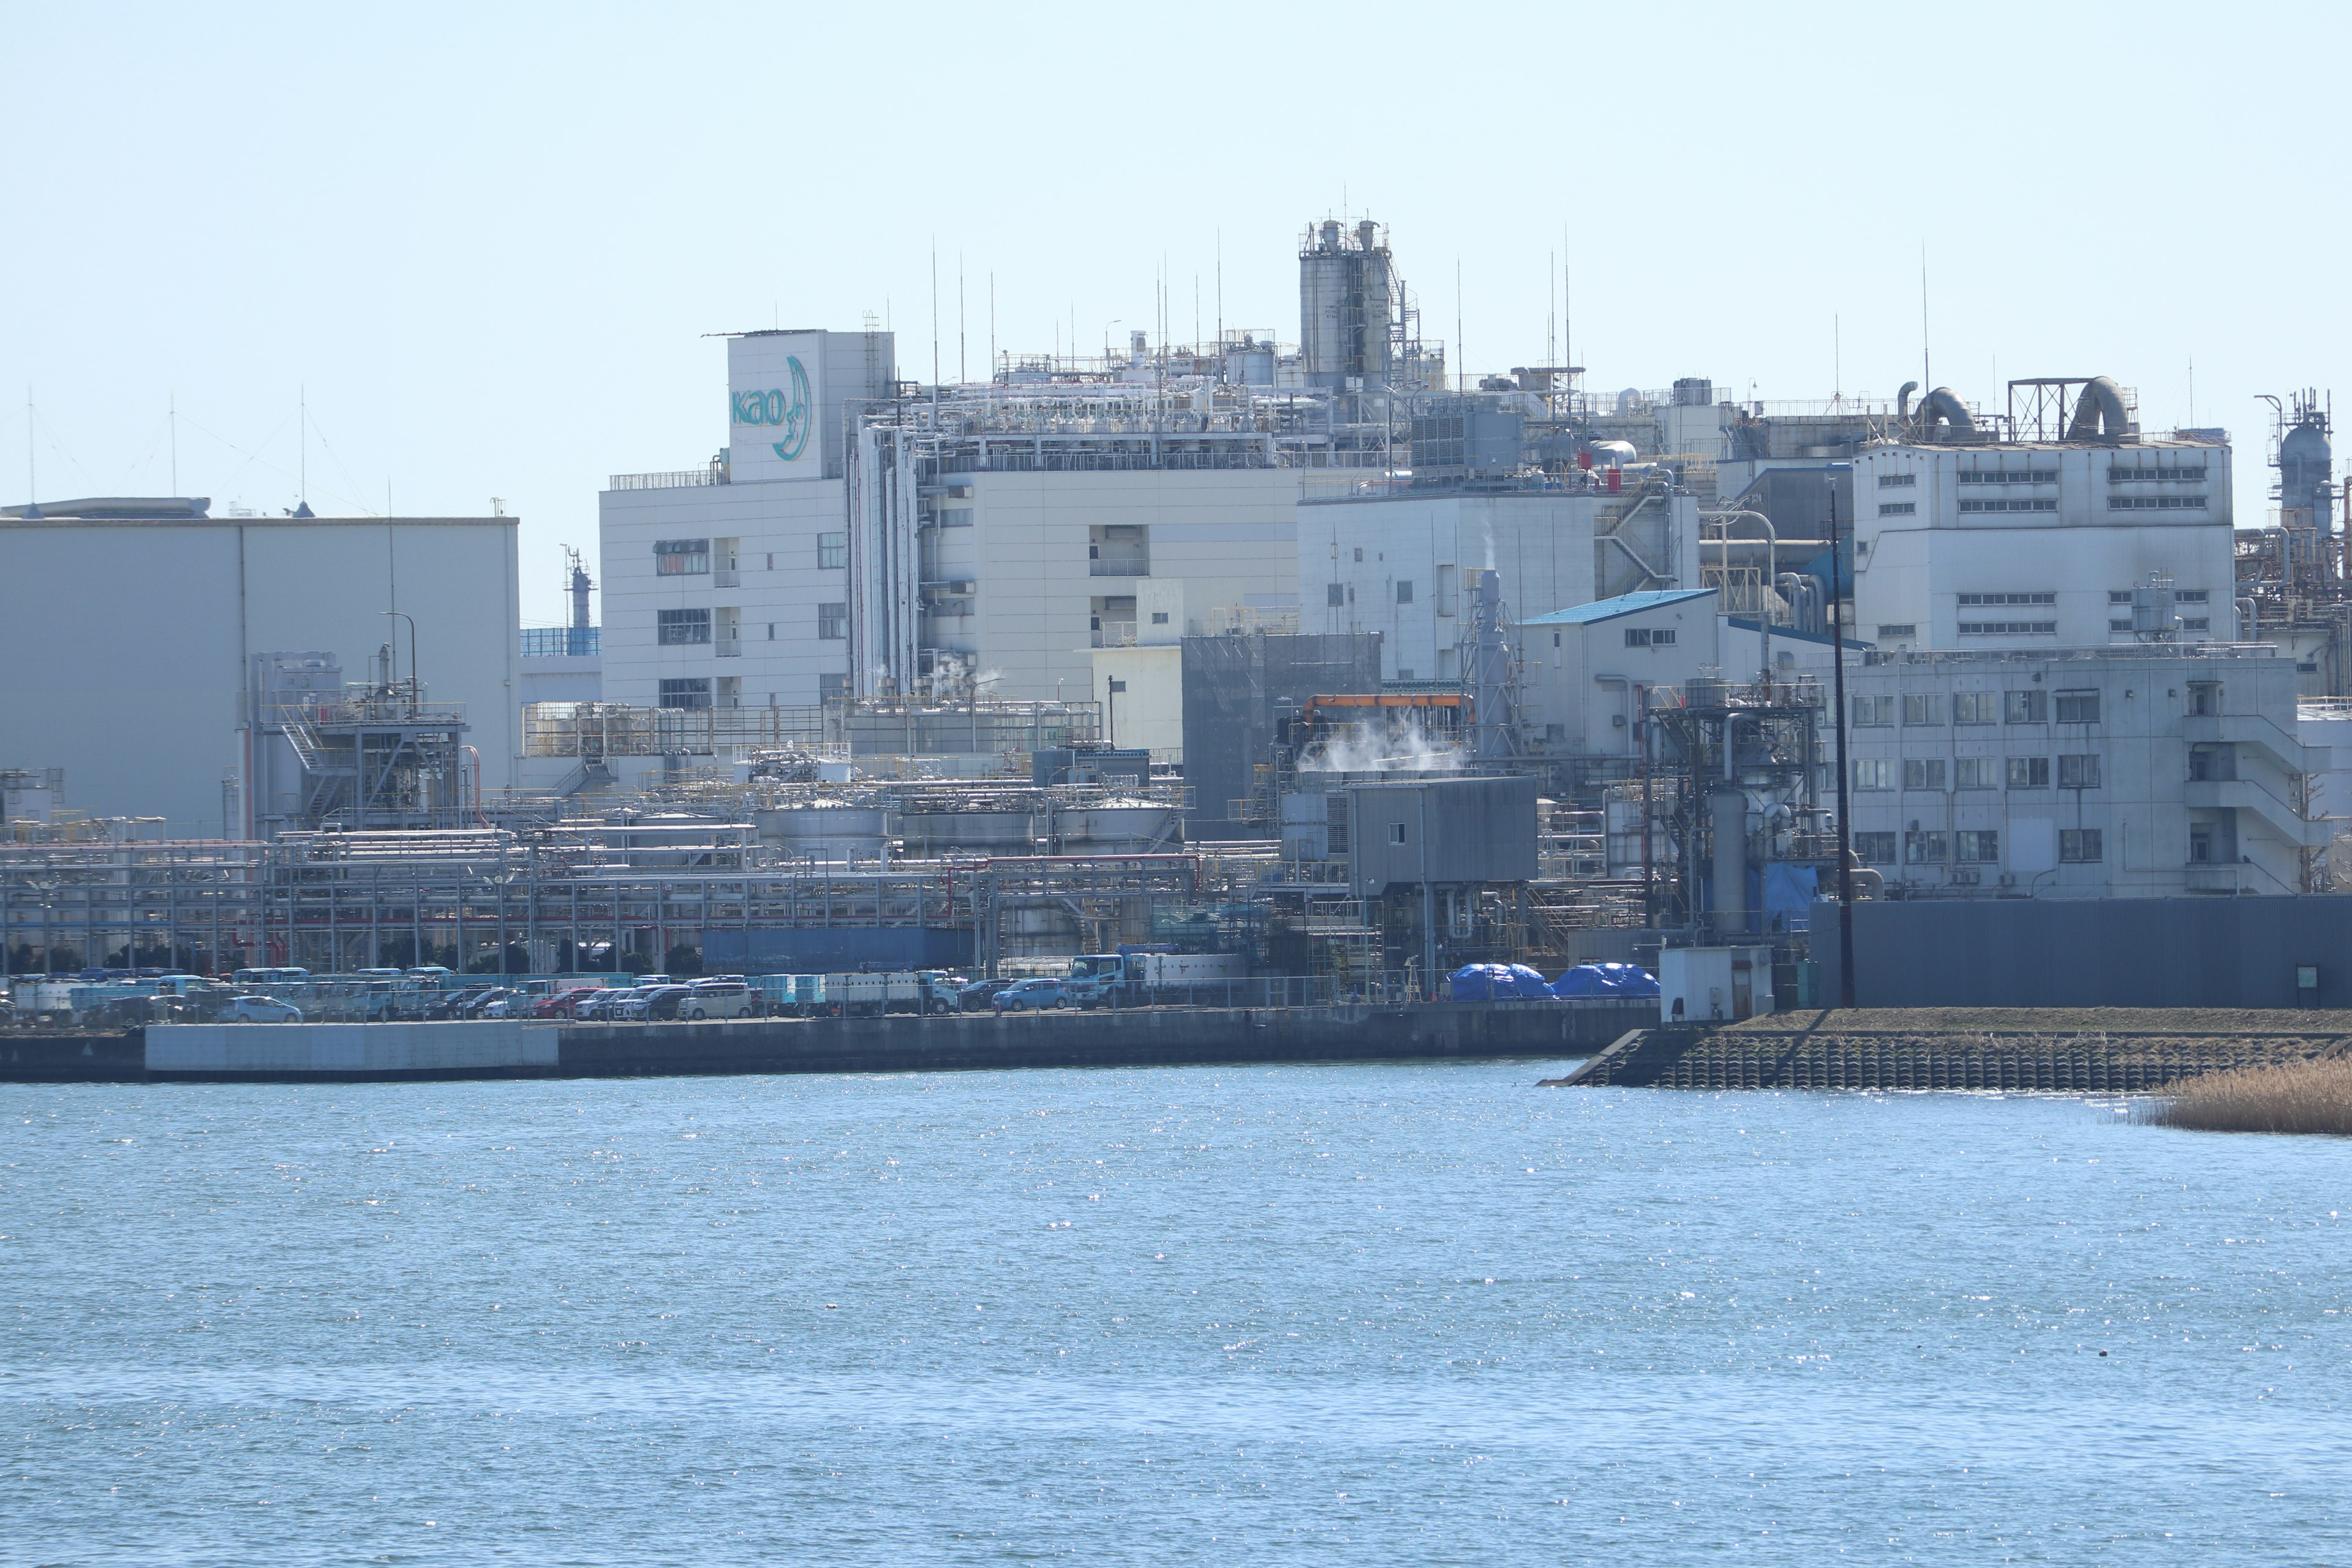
1032 996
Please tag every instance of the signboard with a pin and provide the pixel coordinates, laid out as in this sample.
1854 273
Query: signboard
773 391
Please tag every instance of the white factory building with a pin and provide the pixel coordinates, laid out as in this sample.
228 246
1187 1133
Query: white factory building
129 632
2141 772
728 585
1396 561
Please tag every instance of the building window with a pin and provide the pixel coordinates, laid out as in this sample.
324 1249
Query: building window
2119 595
2205 697
1890 629
772 631
2028 707
2028 772
1983 601
1976 773
2119 625
1898 508
2012 503
1359 554
1923 772
955 517
2078 707
2009 628
1335 594
1874 848
833 622
681 557
1872 773
1404 591
2079 772
695 693
2153 503
2196 623
1923 708
1975 707
1976 846
677 627
2010 477
2133 474
1868 711
1396 832
2080 845
2193 596
1897 481
1931 848
1649 637
1158 618
831 552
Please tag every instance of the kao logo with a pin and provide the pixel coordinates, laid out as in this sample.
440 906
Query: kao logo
787 411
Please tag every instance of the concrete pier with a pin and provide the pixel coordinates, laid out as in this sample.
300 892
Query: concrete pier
1149 1036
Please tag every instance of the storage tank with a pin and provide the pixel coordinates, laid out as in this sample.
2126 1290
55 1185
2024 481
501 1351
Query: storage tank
1346 289
825 830
990 832
1116 828
2306 499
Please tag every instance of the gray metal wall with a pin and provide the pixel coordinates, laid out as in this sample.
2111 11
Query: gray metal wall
1479 830
1232 686
2082 953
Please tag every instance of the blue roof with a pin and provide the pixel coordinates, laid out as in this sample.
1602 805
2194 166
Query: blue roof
1750 623
1622 604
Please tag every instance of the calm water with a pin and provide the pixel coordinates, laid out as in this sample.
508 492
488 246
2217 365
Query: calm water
1381 1314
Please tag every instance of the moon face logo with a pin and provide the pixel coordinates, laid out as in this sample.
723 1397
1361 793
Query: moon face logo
785 410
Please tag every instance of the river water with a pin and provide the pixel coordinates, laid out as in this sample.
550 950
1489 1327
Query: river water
1379 1314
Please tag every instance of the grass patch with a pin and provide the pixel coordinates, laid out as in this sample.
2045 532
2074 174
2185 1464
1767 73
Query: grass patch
2294 1096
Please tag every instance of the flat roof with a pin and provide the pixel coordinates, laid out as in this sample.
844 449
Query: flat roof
1622 604
7 521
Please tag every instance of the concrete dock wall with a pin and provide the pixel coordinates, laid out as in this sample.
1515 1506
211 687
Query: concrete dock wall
346 1049
1136 1037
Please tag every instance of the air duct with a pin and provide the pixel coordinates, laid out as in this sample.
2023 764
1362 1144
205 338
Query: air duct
2099 414
1943 406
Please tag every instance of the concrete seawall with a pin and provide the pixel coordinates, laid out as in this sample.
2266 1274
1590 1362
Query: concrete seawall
1152 1036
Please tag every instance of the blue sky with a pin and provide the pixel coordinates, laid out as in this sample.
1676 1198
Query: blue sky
489 241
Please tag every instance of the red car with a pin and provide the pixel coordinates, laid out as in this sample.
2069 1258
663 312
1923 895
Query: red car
561 1004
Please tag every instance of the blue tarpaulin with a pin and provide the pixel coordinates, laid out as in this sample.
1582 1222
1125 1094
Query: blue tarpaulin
1606 980
1789 890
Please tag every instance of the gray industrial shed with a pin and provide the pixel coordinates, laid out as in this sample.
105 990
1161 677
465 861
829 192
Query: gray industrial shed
1444 832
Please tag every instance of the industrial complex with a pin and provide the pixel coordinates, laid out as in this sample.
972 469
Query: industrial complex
1318 654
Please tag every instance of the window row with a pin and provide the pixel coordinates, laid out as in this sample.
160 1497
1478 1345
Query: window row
691 557
1967 845
2009 628
2009 476
2188 624
2012 503
687 628
1897 481
2079 770
2155 503
2184 597
2132 474
2029 705
1649 637
1898 508
1973 601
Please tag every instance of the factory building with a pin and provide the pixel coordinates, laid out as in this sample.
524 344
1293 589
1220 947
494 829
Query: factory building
145 639
2033 536
728 585
2144 771
1396 561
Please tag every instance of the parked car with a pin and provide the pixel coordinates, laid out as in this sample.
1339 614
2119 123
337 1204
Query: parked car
259 1010
977 996
561 1004
720 999
1032 996
663 1002
599 1005
630 1005
477 1004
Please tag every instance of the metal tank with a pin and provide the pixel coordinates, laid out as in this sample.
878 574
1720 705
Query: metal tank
825 830
935 832
1116 829
2305 463
1345 305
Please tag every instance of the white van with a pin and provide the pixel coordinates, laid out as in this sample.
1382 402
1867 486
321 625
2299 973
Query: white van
720 999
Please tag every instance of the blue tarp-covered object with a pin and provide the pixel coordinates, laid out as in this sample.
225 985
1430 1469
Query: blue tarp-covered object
1479 981
1606 980
1525 982
1791 890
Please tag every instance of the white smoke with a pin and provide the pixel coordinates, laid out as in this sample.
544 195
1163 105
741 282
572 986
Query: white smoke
1381 746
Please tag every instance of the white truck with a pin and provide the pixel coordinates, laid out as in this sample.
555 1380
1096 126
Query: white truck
1128 977
897 991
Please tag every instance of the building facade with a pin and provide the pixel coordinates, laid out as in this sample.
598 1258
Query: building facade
2140 771
129 631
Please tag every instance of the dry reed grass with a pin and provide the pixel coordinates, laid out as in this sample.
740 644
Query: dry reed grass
2295 1097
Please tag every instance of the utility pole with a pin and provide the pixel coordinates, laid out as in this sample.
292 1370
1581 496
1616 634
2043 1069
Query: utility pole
1846 829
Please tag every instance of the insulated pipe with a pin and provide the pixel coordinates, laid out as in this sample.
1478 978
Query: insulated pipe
1729 807
2099 411
2249 622
1902 402
1944 405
